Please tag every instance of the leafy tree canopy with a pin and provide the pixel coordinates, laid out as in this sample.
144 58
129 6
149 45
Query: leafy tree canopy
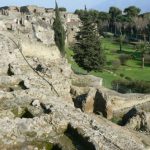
114 12
132 11
88 51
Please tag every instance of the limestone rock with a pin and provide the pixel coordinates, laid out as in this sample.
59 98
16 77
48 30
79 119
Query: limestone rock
36 103
107 102
86 81
137 120
88 104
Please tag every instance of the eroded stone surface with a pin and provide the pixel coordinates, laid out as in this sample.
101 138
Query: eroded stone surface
35 99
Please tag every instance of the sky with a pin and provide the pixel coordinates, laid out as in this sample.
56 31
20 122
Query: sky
71 5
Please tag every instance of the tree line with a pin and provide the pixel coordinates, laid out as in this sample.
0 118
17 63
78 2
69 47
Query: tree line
89 53
131 22
128 25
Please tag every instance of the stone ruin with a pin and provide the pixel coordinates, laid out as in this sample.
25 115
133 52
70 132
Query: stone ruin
44 105
36 22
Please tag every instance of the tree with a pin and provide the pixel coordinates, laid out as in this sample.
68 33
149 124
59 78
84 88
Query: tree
103 22
59 31
94 15
148 31
114 13
79 12
104 16
143 47
132 11
121 40
88 51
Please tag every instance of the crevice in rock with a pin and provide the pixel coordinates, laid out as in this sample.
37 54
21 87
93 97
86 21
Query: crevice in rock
56 147
39 68
10 89
79 100
100 104
80 142
9 71
128 116
45 108
22 85
27 114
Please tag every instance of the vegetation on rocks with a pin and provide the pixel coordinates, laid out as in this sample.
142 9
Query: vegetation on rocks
59 31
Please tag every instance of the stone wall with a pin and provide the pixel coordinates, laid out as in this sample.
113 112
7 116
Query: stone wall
38 22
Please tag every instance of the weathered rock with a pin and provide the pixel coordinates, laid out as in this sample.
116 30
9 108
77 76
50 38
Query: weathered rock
36 103
86 81
110 103
41 109
37 23
88 104
137 120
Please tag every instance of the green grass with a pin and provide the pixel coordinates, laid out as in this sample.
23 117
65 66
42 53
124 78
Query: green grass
107 77
132 68
76 68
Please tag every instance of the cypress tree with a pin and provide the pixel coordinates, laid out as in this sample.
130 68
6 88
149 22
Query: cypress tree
88 51
59 31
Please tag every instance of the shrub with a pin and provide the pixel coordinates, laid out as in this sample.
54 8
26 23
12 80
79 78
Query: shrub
128 78
124 58
121 75
126 86
120 85
115 65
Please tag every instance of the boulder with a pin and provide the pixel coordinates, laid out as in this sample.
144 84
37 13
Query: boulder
137 120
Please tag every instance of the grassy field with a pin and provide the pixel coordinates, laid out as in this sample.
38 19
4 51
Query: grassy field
132 69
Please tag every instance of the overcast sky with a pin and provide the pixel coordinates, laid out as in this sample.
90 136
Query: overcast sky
71 5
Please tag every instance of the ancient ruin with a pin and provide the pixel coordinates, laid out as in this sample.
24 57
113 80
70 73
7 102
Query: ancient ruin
44 105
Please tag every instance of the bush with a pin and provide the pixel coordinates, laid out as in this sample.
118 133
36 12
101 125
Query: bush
128 86
128 78
115 65
124 58
120 85
121 75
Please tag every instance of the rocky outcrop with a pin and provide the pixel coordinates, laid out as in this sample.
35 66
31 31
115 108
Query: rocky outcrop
24 71
37 23
107 102
86 81
34 111
137 120
35 100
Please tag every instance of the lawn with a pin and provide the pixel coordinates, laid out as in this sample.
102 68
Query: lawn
132 68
